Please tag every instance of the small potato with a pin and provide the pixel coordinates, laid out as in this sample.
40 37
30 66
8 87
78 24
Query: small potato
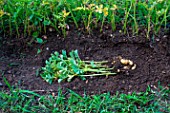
124 61
44 36
118 70
126 67
133 67
119 57
53 94
130 62
113 62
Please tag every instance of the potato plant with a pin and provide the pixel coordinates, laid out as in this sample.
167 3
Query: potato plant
60 67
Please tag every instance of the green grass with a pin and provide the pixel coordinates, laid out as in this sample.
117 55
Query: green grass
155 100
40 15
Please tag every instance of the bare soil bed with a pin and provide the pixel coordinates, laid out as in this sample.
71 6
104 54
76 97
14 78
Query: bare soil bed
19 63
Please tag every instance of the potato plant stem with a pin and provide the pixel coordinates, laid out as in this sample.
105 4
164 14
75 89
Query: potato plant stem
95 70
102 74
96 62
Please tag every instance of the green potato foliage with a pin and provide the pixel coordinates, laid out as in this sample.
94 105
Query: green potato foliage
60 67
40 15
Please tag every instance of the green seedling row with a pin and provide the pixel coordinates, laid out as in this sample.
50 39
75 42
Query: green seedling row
24 17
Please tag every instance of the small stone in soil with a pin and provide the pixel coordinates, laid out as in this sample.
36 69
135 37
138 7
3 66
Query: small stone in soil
1 84
163 72
47 48
87 81
9 71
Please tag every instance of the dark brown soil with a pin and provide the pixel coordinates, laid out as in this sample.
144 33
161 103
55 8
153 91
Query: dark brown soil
152 59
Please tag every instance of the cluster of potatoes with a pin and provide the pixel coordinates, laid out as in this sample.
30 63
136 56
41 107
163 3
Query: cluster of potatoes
122 64
128 64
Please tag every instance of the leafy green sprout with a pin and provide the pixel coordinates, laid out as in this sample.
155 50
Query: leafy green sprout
60 67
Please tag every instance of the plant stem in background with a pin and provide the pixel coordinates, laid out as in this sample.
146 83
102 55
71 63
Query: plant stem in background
127 11
105 14
10 25
148 25
101 29
17 29
89 21
113 21
164 19
64 16
72 15
2 25
64 28
112 16
26 20
134 17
